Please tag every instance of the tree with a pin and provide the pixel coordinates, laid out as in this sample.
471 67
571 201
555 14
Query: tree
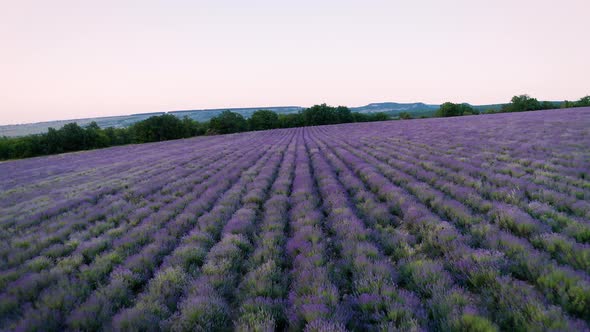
343 114
405 116
379 116
191 127
228 122
119 136
264 119
522 103
95 137
447 109
467 109
547 105
158 128
360 117
582 102
367 117
54 141
74 137
291 120
319 115
5 151
450 109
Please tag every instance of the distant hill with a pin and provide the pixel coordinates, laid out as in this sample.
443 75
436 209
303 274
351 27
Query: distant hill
103 122
394 107
483 108
417 109
207 114
391 108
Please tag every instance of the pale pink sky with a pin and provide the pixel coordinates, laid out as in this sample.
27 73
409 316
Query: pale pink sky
71 59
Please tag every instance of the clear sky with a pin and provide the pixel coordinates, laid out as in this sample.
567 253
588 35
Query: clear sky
71 59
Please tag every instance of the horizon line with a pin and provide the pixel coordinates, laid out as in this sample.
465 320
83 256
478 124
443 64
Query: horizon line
240 108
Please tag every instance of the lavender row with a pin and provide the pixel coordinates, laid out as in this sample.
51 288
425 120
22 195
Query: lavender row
186 261
314 300
510 217
456 252
414 240
207 303
375 300
119 293
140 192
467 184
133 174
510 187
548 277
95 245
260 296
127 247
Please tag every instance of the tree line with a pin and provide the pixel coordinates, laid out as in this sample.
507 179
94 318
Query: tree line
520 103
73 137
582 102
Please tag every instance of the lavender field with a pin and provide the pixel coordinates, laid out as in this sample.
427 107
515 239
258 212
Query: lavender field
477 223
